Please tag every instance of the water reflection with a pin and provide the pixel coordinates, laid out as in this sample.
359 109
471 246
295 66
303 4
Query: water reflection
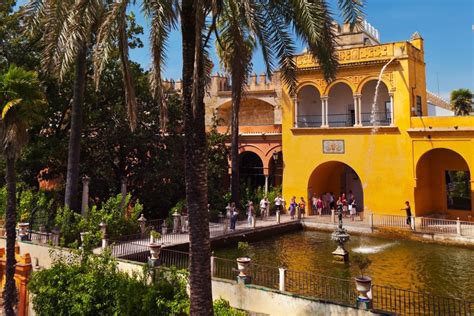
437 269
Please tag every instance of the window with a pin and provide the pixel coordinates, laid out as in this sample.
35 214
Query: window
458 190
419 109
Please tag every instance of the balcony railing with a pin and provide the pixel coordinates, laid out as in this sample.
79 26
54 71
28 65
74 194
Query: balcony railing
345 120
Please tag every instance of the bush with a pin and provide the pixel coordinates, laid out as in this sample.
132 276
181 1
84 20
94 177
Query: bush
71 224
222 308
93 285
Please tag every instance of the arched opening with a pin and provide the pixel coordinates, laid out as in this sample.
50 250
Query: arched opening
341 106
442 183
381 111
253 112
336 177
309 107
276 170
251 170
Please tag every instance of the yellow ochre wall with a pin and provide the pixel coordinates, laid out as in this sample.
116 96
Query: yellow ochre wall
385 160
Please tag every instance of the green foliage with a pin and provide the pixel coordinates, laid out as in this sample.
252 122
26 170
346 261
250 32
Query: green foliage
222 308
362 262
155 234
217 169
111 212
93 285
243 246
461 101
257 195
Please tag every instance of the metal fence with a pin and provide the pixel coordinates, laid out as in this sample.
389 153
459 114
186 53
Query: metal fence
406 302
331 289
340 291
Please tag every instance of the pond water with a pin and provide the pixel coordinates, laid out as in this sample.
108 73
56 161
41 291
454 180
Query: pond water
436 269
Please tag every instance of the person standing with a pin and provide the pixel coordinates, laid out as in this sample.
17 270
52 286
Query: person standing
319 206
344 204
235 214
293 207
314 202
263 207
352 208
407 209
250 213
332 201
278 203
302 206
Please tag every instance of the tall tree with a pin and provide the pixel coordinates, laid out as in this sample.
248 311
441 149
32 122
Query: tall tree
20 98
235 48
461 101
65 28
193 15
271 25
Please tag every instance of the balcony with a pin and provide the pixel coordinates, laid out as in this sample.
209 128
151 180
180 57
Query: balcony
345 120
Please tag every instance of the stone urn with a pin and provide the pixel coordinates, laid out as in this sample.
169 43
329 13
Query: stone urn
243 264
23 228
363 286
155 249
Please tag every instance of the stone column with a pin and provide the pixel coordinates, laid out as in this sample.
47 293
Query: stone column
357 110
324 105
103 230
295 101
392 115
85 195
282 277
142 224
123 192
266 184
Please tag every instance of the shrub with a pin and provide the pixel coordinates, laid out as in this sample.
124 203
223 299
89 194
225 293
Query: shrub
93 285
222 308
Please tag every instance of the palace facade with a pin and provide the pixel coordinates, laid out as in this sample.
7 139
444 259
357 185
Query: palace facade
367 132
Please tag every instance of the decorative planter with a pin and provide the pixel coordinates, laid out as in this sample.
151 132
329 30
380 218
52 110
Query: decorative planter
363 286
23 230
243 264
155 250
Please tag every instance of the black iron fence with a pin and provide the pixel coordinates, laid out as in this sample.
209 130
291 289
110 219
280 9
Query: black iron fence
406 302
387 300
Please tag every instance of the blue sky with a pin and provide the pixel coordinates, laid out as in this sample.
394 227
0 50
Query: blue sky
445 25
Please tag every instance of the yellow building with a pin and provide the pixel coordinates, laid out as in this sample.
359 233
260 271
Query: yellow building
335 138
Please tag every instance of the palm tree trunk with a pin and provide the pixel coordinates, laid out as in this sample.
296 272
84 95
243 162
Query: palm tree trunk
196 160
74 150
9 293
235 179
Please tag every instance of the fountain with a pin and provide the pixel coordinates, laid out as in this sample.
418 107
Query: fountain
340 236
373 114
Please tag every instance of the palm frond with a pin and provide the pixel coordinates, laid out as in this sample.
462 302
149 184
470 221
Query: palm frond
351 10
10 105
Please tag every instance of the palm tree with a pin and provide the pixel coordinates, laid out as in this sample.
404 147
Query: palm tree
20 98
235 49
65 28
461 101
272 23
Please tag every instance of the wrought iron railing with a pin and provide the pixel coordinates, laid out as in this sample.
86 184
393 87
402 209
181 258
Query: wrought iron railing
344 119
406 302
340 291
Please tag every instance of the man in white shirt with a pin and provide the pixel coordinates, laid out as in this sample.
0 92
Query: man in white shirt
264 207
278 203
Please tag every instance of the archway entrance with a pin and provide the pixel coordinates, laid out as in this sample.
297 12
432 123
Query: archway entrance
251 170
336 177
443 183
276 170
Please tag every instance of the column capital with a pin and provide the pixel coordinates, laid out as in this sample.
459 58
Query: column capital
357 95
324 97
